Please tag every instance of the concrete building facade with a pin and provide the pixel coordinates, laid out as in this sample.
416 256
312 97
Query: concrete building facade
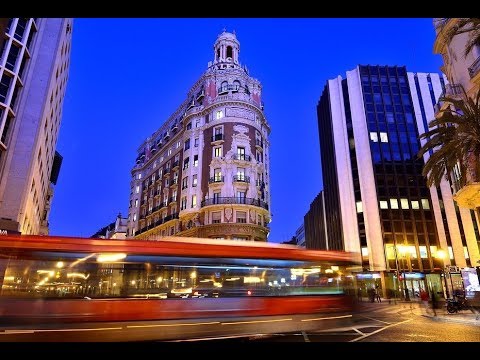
205 171
34 66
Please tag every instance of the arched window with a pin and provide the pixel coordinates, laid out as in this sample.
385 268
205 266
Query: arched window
218 53
236 85
229 52
224 87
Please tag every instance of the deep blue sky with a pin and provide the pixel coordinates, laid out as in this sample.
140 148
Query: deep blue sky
128 75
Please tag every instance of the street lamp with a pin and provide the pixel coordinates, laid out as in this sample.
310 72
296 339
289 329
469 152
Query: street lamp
403 252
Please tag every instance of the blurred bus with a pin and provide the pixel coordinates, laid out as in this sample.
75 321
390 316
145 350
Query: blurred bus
58 280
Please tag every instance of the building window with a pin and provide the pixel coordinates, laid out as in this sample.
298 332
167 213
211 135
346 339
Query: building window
241 196
195 142
423 252
383 204
415 205
374 136
195 160
383 137
219 114
216 217
187 144
137 189
185 182
217 151
194 200
216 197
197 123
404 204
240 153
179 143
393 203
185 163
174 195
183 204
134 217
189 126
136 202
217 174
425 204
194 180
359 206
465 252
241 174
4 84
259 220
450 252
241 217
364 251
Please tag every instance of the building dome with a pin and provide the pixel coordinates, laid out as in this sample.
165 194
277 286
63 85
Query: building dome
226 36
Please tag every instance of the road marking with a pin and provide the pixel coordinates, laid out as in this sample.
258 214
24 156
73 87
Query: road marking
305 337
253 322
328 318
358 331
163 325
367 317
377 331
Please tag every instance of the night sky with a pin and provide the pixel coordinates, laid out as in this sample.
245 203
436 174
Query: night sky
127 76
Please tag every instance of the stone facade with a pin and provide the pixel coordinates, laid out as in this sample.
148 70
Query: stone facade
205 172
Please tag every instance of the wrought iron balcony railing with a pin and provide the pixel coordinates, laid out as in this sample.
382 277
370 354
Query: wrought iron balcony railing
241 157
234 200
217 137
241 178
216 179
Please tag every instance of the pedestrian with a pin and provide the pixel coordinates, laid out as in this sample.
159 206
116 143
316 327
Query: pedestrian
377 294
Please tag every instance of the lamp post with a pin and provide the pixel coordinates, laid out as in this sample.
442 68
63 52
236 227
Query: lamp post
403 252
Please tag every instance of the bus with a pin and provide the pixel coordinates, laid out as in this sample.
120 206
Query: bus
67 288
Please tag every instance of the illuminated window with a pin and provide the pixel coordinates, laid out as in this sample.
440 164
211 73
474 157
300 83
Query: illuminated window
365 251
241 217
217 151
450 252
194 180
169 152
359 206
423 252
179 143
217 174
383 137
383 204
219 114
390 251
404 203
194 200
465 252
374 136
134 217
140 176
136 202
137 189
183 204
415 205
195 160
216 217
425 204
394 203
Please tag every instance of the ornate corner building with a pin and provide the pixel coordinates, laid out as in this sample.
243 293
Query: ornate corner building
205 171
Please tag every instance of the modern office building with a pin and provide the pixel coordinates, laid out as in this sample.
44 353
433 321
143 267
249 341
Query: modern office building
314 226
205 171
34 64
114 230
376 198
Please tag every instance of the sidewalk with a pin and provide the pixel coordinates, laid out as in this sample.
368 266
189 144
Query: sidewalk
418 308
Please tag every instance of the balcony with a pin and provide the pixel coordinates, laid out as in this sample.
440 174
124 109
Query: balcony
173 182
226 88
234 200
216 179
259 144
241 157
175 164
468 196
241 178
217 137
474 70
167 172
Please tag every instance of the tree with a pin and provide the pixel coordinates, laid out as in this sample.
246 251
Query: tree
466 25
454 141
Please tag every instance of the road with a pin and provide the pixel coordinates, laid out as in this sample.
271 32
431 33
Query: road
382 323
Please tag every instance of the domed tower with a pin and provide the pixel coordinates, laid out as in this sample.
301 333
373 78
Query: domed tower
205 172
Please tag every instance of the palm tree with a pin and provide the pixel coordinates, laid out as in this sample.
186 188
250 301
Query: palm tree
466 25
453 140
